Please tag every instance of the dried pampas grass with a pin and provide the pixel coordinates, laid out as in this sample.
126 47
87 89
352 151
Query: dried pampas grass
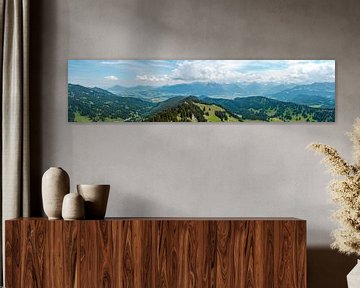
345 191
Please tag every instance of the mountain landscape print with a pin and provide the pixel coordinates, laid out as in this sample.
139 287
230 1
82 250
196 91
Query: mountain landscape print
201 91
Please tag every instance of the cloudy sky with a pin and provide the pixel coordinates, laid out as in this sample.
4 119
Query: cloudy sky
107 73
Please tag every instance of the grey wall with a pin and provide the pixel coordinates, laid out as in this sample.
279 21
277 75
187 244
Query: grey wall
194 170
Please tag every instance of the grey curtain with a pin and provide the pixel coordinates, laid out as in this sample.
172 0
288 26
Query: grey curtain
14 25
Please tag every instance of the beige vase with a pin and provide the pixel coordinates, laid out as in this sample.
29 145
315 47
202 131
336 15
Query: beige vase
73 207
55 185
96 198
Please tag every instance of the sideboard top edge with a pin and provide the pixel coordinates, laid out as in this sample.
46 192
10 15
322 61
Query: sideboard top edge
171 219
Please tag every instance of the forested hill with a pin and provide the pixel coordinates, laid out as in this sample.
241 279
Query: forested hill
95 104
190 109
260 108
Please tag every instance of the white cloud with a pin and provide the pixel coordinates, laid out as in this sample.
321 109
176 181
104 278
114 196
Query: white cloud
112 62
217 71
153 78
303 72
111 77
227 71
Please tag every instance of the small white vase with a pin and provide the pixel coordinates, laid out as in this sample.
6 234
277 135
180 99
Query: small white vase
73 207
55 185
96 198
353 278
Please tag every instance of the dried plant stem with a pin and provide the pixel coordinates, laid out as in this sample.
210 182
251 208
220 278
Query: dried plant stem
345 191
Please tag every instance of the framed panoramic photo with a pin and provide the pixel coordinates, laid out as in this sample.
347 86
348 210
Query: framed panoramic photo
201 91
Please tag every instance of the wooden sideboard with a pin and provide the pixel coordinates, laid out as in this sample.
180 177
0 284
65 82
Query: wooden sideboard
156 252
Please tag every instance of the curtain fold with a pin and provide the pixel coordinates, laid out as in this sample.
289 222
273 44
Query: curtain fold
14 24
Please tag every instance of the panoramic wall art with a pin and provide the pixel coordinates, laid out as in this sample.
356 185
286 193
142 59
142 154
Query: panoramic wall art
201 90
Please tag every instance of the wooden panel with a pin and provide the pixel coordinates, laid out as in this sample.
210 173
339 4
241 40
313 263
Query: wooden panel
268 244
290 239
88 255
55 267
105 259
127 260
12 251
71 248
224 254
209 254
170 253
161 273
301 258
32 254
132 250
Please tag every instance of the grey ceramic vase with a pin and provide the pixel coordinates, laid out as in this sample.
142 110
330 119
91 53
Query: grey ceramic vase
96 198
55 185
73 207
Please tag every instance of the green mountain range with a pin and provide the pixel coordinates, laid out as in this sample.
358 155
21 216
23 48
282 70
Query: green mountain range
149 104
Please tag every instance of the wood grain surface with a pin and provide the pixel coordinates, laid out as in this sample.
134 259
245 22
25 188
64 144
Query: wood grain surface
159 252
